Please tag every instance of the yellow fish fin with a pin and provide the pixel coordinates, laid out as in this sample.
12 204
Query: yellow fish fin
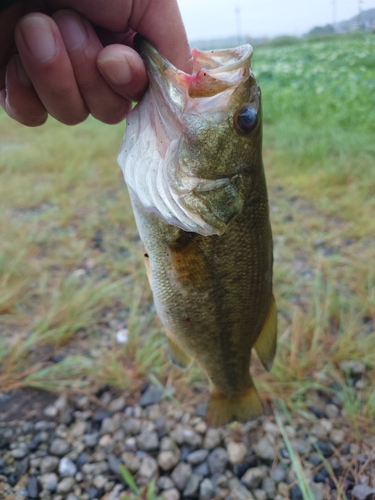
222 410
265 345
178 357
148 266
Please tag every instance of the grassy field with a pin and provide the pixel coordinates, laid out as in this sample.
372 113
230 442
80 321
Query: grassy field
71 270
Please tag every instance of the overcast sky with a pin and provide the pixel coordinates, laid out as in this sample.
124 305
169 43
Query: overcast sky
209 19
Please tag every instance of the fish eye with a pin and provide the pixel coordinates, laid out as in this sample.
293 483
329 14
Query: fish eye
246 119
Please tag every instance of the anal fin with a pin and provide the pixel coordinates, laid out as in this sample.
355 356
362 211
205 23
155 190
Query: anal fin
222 410
177 355
265 345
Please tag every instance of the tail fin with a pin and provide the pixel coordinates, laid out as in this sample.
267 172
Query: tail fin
222 410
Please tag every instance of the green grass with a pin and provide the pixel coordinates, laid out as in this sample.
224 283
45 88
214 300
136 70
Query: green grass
319 116
71 270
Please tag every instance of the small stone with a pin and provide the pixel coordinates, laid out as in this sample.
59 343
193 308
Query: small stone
78 428
99 481
100 415
130 444
148 468
50 411
32 487
192 438
236 452
332 411
201 427
122 336
48 481
67 468
151 396
283 489
253 477
337 436
181 474
318 431
109 426
48 464
363 492
113 464
167 460
171 494
192 485
167 444
279 473
265 450
131 462
260 495
217 461
325 447
268 485
82 459
196 457
353 368
22 466
212 439
164 483
72 496
66 485
61 402
115 494
132 426
148 441
271 428
117 404
301 446
238 491
220 480
91 439
295 493
19 453
105 441
59 447
206 490
202 469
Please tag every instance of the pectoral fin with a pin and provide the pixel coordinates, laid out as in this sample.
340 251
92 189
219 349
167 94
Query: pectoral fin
265 345
178 357
189 262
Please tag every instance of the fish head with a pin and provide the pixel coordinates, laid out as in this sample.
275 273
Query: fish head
192 147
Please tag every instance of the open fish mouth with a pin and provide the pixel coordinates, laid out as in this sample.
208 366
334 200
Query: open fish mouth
214 72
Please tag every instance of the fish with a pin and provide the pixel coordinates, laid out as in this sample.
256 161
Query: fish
192 161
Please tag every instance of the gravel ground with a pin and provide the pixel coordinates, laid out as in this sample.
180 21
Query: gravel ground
58 448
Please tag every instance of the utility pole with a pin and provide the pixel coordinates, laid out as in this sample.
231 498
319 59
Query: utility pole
238 24
334 14
360 2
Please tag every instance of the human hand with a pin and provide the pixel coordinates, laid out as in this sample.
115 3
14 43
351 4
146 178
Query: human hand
70 63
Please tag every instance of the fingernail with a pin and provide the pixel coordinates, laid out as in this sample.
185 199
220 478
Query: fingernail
38 36
72 29
117 69
21 73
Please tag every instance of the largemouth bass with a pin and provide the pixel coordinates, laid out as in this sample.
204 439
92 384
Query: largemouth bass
192 161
